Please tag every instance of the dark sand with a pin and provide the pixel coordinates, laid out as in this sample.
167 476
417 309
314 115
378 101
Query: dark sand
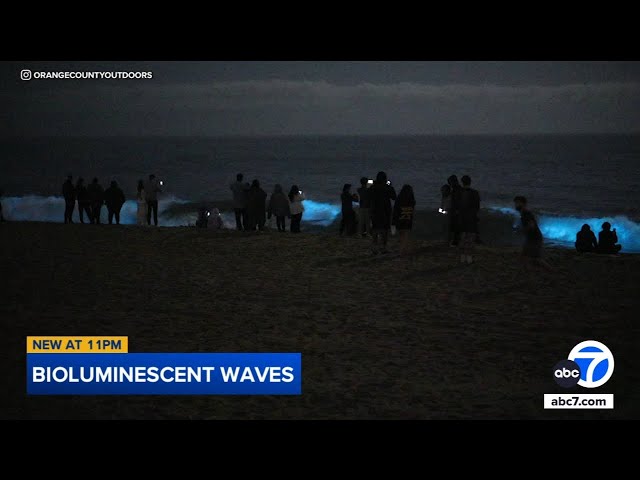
381 338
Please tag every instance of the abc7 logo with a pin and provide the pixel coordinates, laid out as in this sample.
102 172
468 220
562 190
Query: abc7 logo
566 373
590 365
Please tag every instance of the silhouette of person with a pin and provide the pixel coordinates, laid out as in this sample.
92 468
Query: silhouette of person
114 199
608 240
256 206
381 195
203 218
84 204
445 210
532 248
215 220
586 240
141 200
69 194
468 207
279 206
348 220
403 212
96 199
364 199
454 210
240 191
296 197
151 190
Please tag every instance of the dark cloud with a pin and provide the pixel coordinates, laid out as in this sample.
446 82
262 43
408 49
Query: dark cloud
204 106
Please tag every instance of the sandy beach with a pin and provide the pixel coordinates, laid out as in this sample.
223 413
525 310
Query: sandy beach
420 337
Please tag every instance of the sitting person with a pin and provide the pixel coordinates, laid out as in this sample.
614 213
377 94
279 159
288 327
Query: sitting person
203 218
586 240
608 240
215 220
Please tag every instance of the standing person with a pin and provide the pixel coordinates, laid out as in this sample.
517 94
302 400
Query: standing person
69 194
586 240
608 240
96 199
141 199
381 195
403 211
468 207
240 190
84 203
151 190
279 206
364 198
532 248
445 210
296 207
453 212
114 199
256 206
348 221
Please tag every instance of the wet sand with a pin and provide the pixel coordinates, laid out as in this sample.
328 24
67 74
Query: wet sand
420 337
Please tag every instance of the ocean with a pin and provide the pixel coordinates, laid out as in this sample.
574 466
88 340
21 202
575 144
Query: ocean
568 179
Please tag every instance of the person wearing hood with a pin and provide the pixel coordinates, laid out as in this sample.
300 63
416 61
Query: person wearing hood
279 206
114 199
256 207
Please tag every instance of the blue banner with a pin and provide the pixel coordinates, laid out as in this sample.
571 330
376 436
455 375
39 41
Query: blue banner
164 374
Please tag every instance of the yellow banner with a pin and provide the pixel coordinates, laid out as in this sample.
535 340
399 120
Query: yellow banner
73 344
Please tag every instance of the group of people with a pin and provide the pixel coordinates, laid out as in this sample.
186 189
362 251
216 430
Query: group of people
376 215
91 198
607 241
252 210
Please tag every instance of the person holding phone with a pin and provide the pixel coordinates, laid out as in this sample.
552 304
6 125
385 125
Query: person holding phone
348 221
296 197
364 199
608 240
151 190
381 195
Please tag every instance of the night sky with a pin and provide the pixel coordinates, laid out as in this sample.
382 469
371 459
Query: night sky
319 98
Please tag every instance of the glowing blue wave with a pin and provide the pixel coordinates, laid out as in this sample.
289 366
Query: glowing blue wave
320 213
560 229
37 208
563 229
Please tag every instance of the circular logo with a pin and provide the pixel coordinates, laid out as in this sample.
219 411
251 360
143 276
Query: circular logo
566 373
595 361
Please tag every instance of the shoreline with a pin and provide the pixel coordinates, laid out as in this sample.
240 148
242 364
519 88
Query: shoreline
499 235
